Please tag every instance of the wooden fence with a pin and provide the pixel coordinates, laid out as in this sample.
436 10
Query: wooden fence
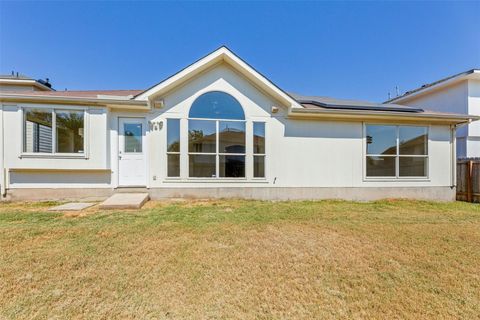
468 180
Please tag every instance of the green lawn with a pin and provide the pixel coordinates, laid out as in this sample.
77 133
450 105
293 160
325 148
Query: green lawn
242 259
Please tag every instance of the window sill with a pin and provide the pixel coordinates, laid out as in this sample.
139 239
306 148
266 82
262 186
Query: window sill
215 180
53 156
406 179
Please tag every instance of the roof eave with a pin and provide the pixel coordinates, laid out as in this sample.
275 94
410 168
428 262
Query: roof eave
361 115
117 103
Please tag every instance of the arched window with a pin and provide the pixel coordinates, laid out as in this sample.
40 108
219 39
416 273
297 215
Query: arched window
216 105
216 137
216 140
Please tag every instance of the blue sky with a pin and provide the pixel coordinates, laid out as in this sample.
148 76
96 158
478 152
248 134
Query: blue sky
356 50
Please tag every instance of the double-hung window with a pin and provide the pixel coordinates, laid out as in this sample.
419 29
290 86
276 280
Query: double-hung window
53 131
396 151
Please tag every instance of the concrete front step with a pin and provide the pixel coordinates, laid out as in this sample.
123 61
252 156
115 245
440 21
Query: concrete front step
125 201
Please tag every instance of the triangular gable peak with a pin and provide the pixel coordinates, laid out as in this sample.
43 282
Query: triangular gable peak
222 54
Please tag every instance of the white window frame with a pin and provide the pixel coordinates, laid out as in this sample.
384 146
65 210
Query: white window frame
174 152
397 155
217 154
259 154
60 155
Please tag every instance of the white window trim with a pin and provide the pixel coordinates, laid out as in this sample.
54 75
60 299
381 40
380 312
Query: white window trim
397 156
53 154
174 152
259 154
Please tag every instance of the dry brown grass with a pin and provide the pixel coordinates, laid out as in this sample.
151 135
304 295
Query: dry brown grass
242 259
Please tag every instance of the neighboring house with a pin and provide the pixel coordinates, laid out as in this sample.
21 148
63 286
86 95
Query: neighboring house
459 94
219 128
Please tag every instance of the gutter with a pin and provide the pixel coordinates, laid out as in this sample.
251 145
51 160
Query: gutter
119 103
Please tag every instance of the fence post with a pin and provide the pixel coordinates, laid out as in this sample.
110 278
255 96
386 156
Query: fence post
470 181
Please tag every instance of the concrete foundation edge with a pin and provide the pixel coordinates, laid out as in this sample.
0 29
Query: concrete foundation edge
264 193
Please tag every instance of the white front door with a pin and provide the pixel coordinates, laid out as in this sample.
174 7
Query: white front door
131 152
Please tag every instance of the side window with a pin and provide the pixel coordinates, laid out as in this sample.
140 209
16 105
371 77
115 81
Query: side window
173 148
259 149
396 151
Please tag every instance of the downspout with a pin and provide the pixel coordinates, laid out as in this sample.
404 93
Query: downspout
453 129
453 154
3 187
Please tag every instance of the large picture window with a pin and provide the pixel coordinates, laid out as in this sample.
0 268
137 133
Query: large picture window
216 137
396 151
53 131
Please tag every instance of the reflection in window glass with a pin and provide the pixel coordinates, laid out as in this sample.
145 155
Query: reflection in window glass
202 166
206 159
232 166
380 166
259 166
173 161
133 137
202 136
70 131
413 140
381 139
38 131
259 137
231 137
173 135
413 166
216 105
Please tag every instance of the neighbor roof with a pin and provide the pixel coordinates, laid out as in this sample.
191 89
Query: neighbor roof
445 81
23 80
15 76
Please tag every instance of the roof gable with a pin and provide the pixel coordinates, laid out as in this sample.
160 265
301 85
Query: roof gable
223 54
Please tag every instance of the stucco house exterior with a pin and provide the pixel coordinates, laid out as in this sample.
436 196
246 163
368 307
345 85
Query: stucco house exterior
219 128
459 93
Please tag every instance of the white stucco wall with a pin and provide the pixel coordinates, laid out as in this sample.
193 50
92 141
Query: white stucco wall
300 153
57 171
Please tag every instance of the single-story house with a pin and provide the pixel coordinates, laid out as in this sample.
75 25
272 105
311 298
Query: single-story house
219 128
459 93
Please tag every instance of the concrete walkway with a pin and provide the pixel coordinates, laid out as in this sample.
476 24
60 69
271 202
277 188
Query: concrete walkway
125 201
72 206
